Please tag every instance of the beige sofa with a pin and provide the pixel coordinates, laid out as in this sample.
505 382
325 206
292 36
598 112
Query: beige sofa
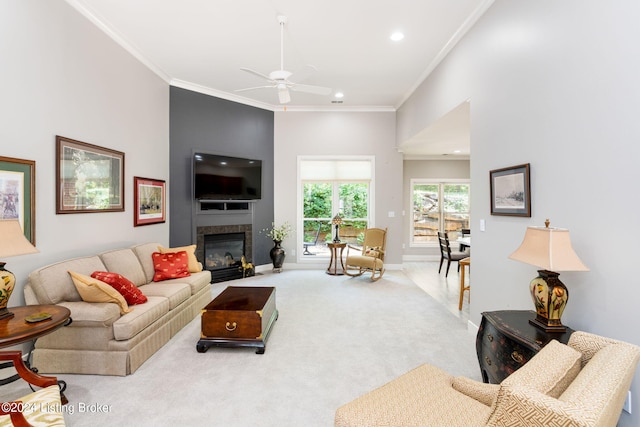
581 384
101 340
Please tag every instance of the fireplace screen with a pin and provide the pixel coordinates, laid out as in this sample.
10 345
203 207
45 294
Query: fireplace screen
223 250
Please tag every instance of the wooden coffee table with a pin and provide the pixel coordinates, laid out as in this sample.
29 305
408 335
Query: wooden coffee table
241 316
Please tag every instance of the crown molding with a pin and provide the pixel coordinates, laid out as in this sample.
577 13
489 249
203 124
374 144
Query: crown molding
453 41
101 24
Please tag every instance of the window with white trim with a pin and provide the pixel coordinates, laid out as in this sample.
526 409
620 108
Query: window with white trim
439 206
330 187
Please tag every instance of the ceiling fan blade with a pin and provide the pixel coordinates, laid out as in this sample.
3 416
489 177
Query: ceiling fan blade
254 88
256 73
304 73
283 95
318 90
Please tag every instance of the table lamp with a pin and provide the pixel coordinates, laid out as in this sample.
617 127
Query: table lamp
12 243
337 221
550 249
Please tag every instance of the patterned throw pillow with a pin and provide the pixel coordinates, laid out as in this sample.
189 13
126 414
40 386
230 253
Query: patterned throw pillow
372 251
194 265
127 289
94 290
171 265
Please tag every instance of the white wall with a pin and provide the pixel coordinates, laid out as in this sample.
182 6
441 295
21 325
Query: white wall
554 84
340 133
63 76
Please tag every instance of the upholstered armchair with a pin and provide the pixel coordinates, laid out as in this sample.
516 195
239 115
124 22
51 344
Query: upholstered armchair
369 258
582 384
40 408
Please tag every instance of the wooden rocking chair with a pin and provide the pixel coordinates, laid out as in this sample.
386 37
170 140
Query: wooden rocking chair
369 258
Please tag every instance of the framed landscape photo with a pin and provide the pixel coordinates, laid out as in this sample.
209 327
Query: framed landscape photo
88 178
149 201
18 193
511 191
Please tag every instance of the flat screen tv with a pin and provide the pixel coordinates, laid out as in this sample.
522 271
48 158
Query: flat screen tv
218 177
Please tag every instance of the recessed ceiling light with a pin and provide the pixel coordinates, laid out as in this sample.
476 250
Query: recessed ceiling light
397 36
457 151
339 95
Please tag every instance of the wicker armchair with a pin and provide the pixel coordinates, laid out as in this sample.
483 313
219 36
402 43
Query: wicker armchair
582 384
40 408
369 258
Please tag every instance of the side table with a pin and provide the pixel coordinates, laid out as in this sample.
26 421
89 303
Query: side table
506 341
16 330
335 256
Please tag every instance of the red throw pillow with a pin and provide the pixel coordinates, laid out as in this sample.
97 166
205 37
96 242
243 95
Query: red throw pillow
170 265
132 295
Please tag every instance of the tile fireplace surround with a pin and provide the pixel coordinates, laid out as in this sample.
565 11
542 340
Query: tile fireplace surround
221 229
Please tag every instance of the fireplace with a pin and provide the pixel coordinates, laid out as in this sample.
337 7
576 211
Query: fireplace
221 249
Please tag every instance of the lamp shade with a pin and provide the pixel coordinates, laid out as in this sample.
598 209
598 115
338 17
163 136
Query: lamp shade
548 248
337 220
12 240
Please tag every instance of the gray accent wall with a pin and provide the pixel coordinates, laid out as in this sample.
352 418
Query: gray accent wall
204 123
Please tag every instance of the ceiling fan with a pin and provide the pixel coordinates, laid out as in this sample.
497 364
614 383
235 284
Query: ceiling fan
279 79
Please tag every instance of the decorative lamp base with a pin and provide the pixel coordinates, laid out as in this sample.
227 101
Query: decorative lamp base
550 297
7 283
336 239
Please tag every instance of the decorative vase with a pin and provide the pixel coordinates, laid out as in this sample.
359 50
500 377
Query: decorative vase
7 283
277 255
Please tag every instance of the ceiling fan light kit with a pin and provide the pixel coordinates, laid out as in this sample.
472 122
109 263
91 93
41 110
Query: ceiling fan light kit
279 79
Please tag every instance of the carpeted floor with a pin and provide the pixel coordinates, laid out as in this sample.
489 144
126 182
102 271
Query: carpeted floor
336 338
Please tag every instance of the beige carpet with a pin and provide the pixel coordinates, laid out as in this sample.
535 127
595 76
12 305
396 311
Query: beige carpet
336 338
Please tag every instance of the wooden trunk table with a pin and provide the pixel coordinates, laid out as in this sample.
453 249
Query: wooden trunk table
241 316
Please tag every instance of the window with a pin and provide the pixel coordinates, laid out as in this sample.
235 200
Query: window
330 187
438 206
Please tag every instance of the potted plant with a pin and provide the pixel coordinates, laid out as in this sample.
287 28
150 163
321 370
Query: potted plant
277 234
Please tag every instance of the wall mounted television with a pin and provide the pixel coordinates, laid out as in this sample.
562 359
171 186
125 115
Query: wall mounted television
219 177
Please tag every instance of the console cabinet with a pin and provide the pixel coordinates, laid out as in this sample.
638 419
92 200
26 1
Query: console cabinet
506 341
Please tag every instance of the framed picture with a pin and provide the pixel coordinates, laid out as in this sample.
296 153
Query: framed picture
149 201
511 191
88 178
18 193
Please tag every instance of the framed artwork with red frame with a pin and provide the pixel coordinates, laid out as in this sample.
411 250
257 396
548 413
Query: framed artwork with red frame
149 201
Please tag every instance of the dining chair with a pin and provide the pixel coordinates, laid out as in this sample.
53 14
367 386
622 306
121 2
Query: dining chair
446 253
465 232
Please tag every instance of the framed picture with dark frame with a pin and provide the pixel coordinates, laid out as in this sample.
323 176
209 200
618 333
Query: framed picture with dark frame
511 191
89 178
18 193
149 201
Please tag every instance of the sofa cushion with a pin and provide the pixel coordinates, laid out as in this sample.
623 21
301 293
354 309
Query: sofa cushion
126 263
93 290
132 295
143 252
176 293
141 316
550 371
194 265
52 283
197 281
170 265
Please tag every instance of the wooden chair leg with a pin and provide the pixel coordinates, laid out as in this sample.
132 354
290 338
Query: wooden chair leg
448 265
461 287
